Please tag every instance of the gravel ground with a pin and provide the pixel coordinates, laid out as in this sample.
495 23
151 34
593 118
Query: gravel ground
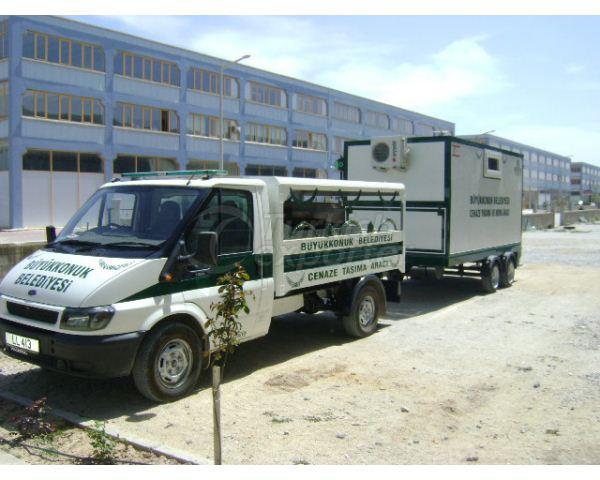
452 376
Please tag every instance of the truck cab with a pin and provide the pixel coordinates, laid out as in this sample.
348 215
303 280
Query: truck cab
127 286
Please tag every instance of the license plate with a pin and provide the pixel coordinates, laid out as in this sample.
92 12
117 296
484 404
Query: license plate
22 343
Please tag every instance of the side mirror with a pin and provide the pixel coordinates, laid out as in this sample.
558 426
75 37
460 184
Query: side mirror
50 233
206 248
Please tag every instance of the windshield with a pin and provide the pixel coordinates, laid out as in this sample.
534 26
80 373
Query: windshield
132 218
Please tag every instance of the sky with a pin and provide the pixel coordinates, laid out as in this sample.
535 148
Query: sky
535 79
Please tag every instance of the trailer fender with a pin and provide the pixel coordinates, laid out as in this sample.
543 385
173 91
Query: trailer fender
489 262
509 257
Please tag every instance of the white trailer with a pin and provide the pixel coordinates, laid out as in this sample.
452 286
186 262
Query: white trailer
463 212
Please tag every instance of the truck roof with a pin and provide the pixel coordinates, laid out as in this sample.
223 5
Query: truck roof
303 183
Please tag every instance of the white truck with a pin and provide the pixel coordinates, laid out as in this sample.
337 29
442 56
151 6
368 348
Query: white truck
126 287
463 203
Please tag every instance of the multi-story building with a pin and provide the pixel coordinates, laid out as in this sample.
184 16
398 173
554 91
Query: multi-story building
546 175
80 104
585 183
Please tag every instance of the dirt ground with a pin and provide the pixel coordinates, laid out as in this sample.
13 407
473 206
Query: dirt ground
452 376
66 445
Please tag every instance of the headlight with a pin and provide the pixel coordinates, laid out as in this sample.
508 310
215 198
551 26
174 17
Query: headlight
86 318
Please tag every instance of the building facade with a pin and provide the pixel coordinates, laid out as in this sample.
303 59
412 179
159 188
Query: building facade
80 104
546 175
585 183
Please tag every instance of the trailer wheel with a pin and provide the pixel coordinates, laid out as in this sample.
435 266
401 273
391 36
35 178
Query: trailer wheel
507 274
364 312
490 277
168 364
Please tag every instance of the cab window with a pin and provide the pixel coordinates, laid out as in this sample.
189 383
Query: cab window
229 214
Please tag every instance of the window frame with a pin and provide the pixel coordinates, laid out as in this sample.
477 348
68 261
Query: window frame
377 115
51 161
310 142
153 160
134 109
93 48
304 99
83 100
157 76
268 131
266 92
200 118
344 106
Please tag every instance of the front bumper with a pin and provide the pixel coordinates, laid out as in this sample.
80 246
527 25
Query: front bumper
97 356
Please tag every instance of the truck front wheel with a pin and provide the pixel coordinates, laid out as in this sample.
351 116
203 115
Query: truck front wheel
364 313
168 364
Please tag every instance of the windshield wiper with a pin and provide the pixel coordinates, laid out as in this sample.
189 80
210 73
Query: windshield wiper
85 245
131 244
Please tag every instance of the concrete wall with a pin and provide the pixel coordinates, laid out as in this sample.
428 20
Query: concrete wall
575 216
551 220
11 254
538 220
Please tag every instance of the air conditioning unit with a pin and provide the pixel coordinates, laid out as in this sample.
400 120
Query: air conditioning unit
391 152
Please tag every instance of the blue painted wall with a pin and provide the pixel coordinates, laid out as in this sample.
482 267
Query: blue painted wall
109 141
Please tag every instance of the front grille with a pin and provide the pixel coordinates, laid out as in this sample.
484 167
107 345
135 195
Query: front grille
32 313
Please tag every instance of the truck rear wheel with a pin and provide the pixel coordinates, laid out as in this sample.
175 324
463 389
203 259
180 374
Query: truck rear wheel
507 275
169 362
490 277
364 313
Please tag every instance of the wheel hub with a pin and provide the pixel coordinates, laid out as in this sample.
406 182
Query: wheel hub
174 363
495 276
366 311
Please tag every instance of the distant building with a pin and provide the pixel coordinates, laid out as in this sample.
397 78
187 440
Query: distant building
546 175
79 104
585 183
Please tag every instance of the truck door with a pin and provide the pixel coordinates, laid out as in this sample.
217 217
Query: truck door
231 215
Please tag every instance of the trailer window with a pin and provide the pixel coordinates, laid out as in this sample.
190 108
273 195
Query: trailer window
491 164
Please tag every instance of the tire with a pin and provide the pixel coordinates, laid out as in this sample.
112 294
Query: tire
364 313
490 277
507 274
153 375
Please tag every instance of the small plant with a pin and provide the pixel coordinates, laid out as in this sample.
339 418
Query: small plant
225 330
103 445
33 422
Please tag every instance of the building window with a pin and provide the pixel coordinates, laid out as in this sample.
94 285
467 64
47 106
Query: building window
267 95
266 170
346 113
378 120
208 126
208 82
146 118
303 172
310 140
4 39
268 134
147 68
58 161
401 125
338 144
3 99
195 164
136 163
310 104
58 106
53 49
